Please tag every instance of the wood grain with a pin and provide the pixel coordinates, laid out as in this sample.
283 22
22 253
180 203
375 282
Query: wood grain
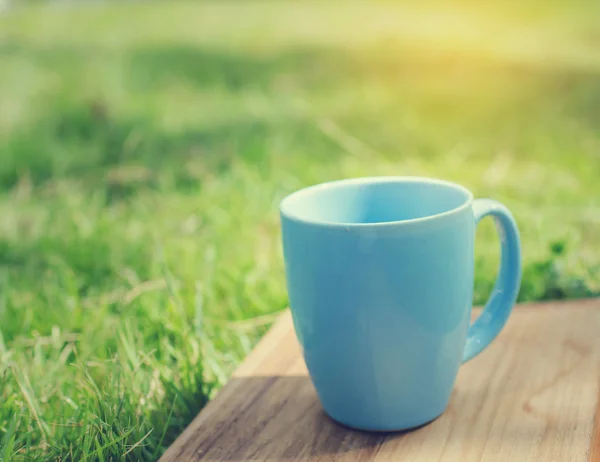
533 395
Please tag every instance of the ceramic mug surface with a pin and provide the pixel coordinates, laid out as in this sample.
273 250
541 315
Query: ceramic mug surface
380 279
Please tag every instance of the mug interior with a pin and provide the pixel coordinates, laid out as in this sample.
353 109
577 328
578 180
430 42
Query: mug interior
379 200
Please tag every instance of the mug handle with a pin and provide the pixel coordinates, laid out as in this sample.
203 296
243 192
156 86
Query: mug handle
498 307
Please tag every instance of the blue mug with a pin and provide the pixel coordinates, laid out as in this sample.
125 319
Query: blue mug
380 280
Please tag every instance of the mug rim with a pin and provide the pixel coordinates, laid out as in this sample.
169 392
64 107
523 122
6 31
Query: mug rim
284 205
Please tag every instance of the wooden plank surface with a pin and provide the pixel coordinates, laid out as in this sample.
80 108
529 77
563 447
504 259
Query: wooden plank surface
533 395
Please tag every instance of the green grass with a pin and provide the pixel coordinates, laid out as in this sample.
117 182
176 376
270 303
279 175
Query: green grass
144 148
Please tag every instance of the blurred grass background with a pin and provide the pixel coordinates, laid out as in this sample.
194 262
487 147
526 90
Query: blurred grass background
145 146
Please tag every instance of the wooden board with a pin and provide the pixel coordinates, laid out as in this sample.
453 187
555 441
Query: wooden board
533 395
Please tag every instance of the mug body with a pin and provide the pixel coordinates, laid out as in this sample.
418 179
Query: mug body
380 281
